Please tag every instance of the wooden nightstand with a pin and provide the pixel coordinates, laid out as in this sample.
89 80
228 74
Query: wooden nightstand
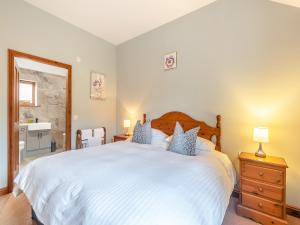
120 137
263 189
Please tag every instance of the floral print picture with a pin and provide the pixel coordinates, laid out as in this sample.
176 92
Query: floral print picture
170 61
97 86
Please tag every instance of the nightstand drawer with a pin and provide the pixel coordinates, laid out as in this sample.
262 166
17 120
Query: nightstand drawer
262 190
263 205
118 139
263 174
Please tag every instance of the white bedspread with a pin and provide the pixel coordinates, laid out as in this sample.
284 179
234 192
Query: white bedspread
128 184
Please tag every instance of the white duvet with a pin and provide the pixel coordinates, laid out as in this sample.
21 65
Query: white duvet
128 184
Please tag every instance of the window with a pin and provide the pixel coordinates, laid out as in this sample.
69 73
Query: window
27 93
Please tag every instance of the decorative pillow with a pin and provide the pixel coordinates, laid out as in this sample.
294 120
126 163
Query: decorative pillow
203 144
184 143
142 133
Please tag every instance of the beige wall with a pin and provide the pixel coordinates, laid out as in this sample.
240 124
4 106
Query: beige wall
237 58
28 29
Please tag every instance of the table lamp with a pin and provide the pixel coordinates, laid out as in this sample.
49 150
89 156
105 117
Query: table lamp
126 125
261 135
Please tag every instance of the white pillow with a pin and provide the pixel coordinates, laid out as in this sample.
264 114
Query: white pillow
202 144
159 138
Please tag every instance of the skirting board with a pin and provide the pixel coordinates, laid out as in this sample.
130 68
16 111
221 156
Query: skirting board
3 191
293 211
290 210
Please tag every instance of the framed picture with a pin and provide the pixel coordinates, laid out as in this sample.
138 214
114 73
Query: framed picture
97 86
170 61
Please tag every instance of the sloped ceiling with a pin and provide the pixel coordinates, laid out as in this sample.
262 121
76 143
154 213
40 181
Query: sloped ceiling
117 21
295 3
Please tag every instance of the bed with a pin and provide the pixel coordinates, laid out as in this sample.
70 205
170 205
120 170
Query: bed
125 183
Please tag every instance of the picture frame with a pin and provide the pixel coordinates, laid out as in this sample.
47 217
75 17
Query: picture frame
170 61
97 86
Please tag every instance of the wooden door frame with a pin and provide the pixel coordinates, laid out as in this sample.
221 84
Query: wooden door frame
12 101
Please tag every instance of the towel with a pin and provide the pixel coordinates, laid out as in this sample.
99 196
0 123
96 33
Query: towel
95 141
99 132
86 134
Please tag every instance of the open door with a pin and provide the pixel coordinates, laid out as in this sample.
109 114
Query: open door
16 156
13 125
13 109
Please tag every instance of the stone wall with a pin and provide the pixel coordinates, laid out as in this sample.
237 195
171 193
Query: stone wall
51 102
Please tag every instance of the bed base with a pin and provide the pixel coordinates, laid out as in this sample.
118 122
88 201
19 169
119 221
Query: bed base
34 217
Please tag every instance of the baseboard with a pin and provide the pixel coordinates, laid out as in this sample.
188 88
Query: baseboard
290 210
293 211
3 191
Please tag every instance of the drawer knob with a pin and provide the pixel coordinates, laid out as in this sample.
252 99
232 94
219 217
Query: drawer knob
261 174
260 205
260 189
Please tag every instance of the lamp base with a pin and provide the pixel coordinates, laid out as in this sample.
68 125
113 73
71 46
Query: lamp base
126 132
260 152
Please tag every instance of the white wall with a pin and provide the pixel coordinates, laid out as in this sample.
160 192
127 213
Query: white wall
237 58
28 29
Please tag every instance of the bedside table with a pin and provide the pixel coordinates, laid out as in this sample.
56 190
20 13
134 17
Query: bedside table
263 189
120 137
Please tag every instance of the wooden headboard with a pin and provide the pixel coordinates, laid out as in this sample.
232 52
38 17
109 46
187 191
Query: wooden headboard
166 123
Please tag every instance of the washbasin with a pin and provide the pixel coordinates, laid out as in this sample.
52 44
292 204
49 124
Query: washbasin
38 126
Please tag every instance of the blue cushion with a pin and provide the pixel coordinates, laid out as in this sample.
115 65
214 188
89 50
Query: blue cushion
142 133
184 143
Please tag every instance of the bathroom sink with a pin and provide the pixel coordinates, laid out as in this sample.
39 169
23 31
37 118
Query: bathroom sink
38 126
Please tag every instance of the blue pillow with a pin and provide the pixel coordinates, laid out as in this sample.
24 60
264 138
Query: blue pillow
142 133
184 143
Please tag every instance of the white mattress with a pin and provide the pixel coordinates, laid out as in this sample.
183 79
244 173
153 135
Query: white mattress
128 184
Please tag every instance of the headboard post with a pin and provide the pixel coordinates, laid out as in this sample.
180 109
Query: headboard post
144 118
218 136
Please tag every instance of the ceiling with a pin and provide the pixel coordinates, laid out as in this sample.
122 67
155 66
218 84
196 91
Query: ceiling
117 21
295 3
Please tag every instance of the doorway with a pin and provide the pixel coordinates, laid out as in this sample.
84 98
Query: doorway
31 81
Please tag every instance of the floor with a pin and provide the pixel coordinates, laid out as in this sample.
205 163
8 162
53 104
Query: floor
16 211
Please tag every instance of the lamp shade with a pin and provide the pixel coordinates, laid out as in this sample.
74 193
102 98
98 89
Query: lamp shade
261 134
126 123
